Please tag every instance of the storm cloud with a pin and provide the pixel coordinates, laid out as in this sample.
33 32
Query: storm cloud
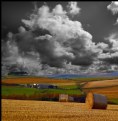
51 37
111 56
68 40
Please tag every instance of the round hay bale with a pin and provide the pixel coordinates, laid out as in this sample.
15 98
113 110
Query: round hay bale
63 98
96 101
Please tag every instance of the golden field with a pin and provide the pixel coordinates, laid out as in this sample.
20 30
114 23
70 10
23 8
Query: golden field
30 80
110 92
19 110
103 83
108 88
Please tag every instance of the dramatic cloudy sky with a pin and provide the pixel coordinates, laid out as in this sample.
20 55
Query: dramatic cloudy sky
61 34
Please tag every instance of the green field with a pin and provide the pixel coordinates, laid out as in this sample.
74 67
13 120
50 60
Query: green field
70 87
9 90
113 101
17 90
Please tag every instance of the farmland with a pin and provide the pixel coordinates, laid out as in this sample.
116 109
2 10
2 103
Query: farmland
104 83
31 80
66 86
17 110
9 90
91 79
110 92
69 81
106 87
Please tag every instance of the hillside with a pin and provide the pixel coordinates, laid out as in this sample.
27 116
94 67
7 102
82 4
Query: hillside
105 83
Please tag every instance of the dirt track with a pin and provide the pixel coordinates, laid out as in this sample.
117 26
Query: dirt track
16 110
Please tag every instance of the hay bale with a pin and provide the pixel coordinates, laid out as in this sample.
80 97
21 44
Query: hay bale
96 101
63 98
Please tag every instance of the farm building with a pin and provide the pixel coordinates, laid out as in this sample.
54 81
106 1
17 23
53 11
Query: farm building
42 86
63 98
46 86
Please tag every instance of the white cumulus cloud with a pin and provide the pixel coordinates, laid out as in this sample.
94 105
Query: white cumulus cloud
73 8
114 8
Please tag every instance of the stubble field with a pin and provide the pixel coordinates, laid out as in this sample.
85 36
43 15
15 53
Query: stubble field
31 80
105 87
110 92
17 110
103 83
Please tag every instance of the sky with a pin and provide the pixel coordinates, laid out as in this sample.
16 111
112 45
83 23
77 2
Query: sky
93 16
61 34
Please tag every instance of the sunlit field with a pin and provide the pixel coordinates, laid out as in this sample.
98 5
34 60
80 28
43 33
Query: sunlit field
17 110
104 83
31 80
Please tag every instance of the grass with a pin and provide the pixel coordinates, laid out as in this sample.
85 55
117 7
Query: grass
9 90
113 101
69 86
15 91
60 91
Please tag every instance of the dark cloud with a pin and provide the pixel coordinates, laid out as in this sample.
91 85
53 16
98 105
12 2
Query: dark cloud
51 37
56 38
24 41
112 60
69 41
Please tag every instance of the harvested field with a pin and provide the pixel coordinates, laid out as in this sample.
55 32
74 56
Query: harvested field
16 110
30 80
104 83
110 92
